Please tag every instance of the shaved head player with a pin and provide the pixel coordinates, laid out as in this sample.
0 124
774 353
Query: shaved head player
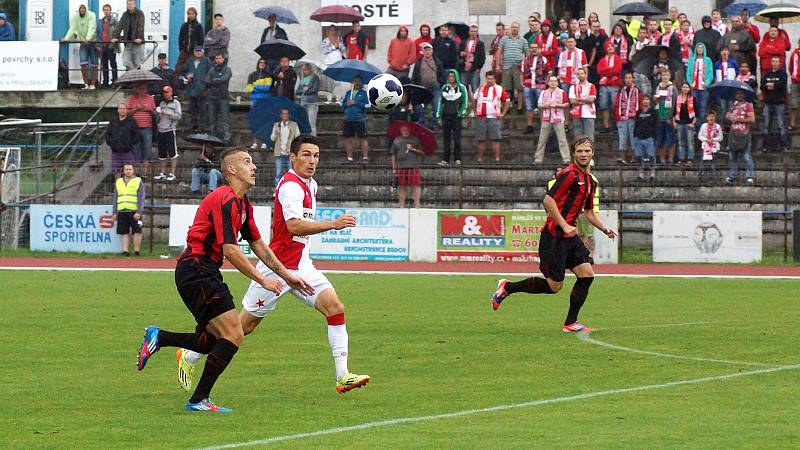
222 216
293 221
560 248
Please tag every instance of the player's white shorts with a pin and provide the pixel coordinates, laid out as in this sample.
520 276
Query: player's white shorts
260 302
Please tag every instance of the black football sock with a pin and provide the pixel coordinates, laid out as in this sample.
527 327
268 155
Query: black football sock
530 285
198 342
218 359
577 297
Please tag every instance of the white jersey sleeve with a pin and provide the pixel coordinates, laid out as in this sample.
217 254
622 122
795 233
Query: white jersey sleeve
291 198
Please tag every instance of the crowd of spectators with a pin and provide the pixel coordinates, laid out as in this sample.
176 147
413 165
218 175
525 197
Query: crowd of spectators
562 72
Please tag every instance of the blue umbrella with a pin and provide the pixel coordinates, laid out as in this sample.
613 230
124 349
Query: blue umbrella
752 6
347 69
727 89
282 15
267 112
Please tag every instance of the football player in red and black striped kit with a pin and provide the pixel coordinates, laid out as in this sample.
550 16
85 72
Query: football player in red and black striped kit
560 248
221 217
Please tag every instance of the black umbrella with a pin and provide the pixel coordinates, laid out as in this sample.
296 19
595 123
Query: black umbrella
638 9
727 89
203 138
417 94
278 48
461 29
644 60
138 76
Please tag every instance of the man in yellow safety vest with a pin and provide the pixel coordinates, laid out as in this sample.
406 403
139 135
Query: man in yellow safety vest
128 203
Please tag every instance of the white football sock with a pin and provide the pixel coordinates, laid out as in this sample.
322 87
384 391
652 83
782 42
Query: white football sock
191 357
337 338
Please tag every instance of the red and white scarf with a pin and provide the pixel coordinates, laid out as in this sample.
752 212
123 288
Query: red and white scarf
553 114
687 40
472 44
628 103
666 37
699 75
711 144
488 101
689 100
621 44
568 63
583 90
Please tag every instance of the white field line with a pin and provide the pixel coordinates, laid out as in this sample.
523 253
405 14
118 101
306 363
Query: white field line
529 404
658 325
401 272
587 338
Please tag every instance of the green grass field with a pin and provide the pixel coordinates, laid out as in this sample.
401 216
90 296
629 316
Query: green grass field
432 345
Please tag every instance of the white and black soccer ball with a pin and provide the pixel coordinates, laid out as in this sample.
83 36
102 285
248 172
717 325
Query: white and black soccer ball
384 91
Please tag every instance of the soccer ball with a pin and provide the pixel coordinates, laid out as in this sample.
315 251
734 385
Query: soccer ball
384 91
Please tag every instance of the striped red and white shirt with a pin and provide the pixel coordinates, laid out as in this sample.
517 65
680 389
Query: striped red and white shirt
584 91
552 114
573 192
489 100
295 198
568 62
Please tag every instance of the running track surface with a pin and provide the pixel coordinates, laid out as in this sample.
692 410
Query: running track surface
362 266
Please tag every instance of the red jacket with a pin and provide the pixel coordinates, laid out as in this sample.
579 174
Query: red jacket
550 54
753 30
794 66
610 76
769 48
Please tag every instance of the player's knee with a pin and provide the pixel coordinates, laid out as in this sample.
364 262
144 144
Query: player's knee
334 308
555 286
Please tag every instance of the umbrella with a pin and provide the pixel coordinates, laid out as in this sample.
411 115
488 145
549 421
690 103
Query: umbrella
785 12
336 14
203 138
138 76
638 9
278 48
347 69
267 112
426 138
282 15
727 89
417 94
752 6
462 29
644 60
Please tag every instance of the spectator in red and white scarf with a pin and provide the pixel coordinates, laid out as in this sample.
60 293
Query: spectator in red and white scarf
652 35
794 78
570 59
472 57
534 79
500 30
623 43
582 97
684 121
625 108
717 23
686 41
548 44
552 103
490 103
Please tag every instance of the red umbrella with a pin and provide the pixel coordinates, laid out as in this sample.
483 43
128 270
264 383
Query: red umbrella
426 138
336 14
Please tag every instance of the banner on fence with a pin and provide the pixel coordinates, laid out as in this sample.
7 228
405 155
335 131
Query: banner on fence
182 216
489 236
28 66
381 235
74 228
707 236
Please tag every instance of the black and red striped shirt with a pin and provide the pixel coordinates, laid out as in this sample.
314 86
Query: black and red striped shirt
573 192
222 215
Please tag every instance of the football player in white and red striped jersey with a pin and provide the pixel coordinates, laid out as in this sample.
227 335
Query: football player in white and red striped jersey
292 224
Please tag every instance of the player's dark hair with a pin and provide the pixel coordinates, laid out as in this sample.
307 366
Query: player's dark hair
303 139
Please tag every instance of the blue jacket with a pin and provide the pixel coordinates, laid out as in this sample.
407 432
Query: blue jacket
708 67
7 32
732 65
356 112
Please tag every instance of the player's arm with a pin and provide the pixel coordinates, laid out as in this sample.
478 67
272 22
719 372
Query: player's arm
266 255
594 220
552 209
299 227
236 257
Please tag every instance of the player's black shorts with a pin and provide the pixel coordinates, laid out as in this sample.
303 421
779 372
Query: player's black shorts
167 145
351 129
200 285
556 255
126 224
